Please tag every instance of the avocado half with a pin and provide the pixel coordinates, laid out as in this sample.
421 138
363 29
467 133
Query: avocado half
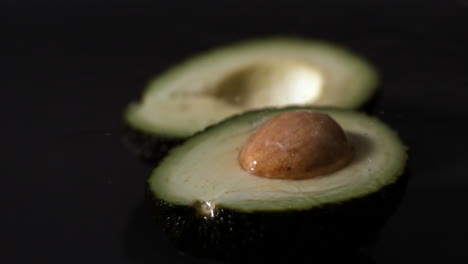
230 80
208 205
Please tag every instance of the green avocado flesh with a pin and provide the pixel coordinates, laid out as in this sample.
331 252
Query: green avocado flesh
265 73
205 169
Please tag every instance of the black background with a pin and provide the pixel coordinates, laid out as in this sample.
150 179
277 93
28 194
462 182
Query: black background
71 193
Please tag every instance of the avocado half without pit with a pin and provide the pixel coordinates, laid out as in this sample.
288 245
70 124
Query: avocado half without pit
276 179
234 79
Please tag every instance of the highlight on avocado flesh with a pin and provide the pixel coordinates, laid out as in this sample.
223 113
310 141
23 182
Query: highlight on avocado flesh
230 80
274 83
296 145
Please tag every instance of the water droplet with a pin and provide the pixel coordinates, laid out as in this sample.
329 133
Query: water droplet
252 166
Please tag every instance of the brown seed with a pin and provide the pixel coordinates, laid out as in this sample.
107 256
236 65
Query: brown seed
296 145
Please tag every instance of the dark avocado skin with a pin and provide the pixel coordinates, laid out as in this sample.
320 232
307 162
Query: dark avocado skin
326 230
148 147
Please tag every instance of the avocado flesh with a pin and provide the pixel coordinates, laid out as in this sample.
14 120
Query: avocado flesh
209 207
206 169
251 75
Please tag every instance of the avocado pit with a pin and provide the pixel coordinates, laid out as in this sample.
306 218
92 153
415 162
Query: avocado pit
296 145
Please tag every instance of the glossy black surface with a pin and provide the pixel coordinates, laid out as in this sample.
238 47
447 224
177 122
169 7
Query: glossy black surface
71 193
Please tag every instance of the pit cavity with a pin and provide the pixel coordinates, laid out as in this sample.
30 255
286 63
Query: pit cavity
268 84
